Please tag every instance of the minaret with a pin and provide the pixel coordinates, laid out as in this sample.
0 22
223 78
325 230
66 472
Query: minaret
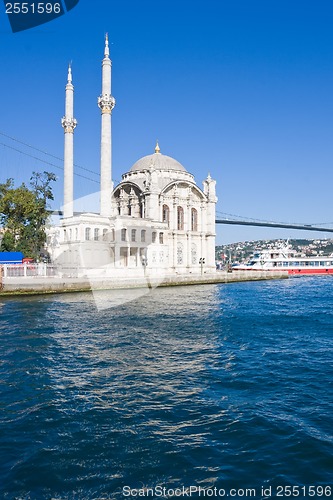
106 104
69 123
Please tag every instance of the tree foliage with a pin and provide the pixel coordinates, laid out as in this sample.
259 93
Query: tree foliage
24 213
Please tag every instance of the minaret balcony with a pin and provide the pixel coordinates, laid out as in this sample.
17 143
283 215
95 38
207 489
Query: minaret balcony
68 125
106 103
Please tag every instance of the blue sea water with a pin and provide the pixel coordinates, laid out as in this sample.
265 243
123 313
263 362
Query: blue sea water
217 386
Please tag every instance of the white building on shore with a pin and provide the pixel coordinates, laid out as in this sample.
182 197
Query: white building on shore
157 221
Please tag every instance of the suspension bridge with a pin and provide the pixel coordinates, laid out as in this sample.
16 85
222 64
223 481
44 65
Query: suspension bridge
238 221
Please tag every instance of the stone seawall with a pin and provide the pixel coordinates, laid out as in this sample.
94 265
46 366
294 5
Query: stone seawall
46 285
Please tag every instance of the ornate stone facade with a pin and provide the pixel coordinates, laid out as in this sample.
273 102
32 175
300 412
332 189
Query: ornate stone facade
161 223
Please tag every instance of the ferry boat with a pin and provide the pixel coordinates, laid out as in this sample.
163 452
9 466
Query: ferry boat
283 258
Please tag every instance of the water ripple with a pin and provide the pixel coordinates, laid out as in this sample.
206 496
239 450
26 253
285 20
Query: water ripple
227 386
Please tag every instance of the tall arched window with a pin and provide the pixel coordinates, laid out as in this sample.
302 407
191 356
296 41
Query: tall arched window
87 233
165 214
194 220
180 218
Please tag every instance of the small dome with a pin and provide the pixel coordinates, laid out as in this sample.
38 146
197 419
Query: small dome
157 161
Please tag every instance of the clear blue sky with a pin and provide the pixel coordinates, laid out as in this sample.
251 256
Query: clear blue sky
242 89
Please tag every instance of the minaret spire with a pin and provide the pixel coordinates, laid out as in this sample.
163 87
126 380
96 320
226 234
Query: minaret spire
69 123
107 50
69 78
106 104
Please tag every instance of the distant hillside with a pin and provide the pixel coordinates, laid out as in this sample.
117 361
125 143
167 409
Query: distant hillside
238 252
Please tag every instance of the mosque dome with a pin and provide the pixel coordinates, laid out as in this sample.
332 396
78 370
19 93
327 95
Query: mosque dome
157 161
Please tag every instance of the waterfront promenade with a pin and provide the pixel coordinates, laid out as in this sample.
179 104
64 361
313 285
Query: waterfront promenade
46 279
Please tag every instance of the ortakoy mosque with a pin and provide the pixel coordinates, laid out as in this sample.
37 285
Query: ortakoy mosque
156 220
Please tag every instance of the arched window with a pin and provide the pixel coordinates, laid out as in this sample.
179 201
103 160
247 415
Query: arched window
180 218
161 238
165 214
133 235
194 219
153 237
143 235
87 233
96 234
123 234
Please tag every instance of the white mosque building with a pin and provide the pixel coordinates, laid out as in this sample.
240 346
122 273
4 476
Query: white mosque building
156 221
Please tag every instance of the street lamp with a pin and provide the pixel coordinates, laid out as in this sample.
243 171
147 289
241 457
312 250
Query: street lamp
202 262
144 261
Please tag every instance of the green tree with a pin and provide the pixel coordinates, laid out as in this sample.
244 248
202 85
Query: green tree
24 213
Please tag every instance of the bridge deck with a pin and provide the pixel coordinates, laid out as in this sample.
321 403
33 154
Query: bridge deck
305 227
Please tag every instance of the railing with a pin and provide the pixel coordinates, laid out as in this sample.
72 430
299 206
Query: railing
41 270
27 270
